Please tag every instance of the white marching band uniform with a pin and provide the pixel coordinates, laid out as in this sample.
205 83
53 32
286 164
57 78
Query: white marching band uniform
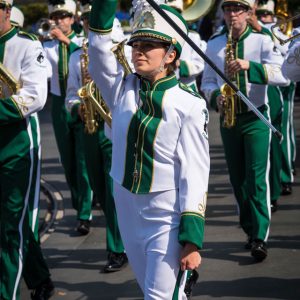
172 165
259 48
191 63
52 52
291 65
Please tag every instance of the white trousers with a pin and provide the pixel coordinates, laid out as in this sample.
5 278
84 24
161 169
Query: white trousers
149 225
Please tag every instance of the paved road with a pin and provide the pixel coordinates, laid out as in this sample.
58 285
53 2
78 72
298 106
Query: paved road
227 272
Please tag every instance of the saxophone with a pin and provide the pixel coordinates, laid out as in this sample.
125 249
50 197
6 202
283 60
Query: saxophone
229 105
89 115
88 90
7 82
118 51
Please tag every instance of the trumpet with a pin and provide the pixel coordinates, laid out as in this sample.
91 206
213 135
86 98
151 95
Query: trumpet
281 24
45 27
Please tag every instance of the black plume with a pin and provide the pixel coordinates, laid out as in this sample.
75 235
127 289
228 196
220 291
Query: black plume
56 2
84 2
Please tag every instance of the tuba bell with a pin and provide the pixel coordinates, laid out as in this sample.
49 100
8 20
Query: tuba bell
195 9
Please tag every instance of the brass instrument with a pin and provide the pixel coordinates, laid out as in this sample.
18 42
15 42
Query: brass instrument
118 51
284 22
282 14
87 92
8 84
195 9
44 28
229 105
89 114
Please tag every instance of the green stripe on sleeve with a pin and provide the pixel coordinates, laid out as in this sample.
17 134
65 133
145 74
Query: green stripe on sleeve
102 15
257 74
191 229
213 99
184 69
9 111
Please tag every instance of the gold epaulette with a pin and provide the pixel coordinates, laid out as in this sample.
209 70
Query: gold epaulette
28 35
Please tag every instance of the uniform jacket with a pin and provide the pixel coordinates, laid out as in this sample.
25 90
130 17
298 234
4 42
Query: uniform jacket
291 66
191 64
23 56
58 55
265 67
167 122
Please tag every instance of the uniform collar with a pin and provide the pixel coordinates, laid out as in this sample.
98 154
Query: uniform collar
8 35
71 34
245 34
161 84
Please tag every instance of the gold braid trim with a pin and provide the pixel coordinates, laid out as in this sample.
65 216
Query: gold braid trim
102 31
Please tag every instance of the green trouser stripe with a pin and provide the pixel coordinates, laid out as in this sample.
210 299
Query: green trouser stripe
35 187
287 144
241 79
177 285
97 149
247 155
69 138
276 105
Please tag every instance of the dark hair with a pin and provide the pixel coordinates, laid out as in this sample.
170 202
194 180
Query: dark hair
171 67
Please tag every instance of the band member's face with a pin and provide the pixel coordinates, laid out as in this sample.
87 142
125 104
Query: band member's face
63 21
236 16
4 18
265 18
147 57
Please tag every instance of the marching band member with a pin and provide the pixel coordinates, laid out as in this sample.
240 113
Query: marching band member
291 65
17 20
24 59
160 155
68 131
190 64
282 101
97 148
252 61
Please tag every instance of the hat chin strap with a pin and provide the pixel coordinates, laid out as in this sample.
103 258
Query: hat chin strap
163 62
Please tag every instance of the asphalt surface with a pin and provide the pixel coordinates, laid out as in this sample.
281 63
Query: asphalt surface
228 272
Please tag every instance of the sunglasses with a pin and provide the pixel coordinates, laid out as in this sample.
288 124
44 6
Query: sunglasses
61 16
3 5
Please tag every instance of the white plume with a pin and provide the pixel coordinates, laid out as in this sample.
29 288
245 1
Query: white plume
138 5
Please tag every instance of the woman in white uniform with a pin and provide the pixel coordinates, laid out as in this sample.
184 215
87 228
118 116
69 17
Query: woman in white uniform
160 156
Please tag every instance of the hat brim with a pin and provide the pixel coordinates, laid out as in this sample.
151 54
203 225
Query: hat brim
146 39
235 3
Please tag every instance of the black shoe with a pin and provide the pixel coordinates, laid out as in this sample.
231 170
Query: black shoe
116 262
190 283
286 189
274 206
249 243
84 227
44 291
259 250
